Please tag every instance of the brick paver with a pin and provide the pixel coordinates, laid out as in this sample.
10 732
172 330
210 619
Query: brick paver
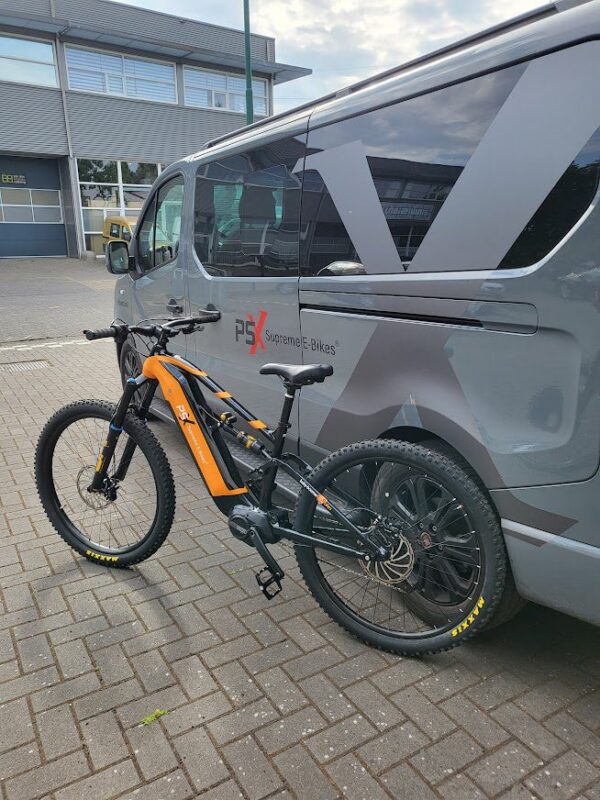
264 699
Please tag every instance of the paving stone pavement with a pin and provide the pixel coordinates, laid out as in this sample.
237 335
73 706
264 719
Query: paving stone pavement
265 699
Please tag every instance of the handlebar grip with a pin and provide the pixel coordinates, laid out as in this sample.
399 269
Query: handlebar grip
203 317
101 333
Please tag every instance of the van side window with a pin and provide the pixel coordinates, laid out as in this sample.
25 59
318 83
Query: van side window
565 205
247 210
160 231
404 160
145 238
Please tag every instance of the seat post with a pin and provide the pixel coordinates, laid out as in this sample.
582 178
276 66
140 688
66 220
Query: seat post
283 425
278 442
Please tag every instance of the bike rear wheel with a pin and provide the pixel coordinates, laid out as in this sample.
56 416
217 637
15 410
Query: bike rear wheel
447 567
117 528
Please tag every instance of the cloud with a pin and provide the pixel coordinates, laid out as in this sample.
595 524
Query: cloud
345 40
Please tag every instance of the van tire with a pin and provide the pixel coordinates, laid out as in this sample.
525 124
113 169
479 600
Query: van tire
130 365
511 601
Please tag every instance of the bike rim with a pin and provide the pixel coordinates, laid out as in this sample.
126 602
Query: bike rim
106 526
434 578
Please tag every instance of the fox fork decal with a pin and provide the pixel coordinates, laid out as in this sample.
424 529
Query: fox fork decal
183 413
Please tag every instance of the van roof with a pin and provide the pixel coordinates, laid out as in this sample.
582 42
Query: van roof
346 99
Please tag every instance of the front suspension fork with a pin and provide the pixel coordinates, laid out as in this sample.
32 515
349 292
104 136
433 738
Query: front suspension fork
115 429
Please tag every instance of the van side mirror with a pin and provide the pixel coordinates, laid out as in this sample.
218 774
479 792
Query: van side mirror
117 257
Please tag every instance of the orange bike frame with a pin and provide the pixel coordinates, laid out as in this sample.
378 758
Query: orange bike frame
167 371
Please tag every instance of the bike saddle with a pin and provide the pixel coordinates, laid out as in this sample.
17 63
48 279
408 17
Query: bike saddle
298 374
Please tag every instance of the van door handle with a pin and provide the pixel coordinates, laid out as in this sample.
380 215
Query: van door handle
174 307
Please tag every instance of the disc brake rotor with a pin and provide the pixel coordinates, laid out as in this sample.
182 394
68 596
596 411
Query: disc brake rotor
94 500
397 568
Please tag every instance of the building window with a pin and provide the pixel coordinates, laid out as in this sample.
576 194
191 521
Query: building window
111 190
37 206
27 61
125 76
205 89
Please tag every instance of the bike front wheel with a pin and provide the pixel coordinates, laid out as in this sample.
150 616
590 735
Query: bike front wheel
447 565
119 527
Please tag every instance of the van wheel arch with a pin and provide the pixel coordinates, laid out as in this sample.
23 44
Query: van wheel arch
511 602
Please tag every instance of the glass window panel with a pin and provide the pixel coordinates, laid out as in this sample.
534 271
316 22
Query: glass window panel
87 59
237 102
260 105
46 214
18 214
13 47
205 80
115 84
93 218
563 207
259 88
99 196
138 172
145 240
168 222
87 81
236 84
247 219
45 197
216 81
135 198
111 63
95 243
149 69
132 215
198 97
15 197
27 72
1 214
102 72
97 170
219 100
149 90
416 151
194 78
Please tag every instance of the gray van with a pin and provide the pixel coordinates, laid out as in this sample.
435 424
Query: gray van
434 234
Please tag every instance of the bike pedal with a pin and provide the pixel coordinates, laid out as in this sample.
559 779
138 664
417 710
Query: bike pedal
266 582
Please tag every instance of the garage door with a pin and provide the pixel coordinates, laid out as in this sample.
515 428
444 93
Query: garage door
31 213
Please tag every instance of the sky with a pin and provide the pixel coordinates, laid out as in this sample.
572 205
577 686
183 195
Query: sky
343 41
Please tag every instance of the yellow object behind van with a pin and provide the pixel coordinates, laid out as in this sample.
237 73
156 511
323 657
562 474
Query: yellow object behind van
116 229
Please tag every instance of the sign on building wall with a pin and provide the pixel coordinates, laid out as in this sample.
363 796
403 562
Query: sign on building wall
6 177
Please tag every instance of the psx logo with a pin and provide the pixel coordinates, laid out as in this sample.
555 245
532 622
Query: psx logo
251 329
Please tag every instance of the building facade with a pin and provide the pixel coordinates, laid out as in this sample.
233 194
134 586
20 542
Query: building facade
97 97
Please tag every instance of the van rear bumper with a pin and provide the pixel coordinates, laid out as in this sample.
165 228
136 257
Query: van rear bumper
555 571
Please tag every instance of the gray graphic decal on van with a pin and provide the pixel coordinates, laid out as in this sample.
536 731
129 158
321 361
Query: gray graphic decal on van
345 171
509 175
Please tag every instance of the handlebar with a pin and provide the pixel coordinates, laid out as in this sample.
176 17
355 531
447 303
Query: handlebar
169 329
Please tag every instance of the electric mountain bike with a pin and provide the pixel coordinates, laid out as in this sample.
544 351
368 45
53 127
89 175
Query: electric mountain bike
395 541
